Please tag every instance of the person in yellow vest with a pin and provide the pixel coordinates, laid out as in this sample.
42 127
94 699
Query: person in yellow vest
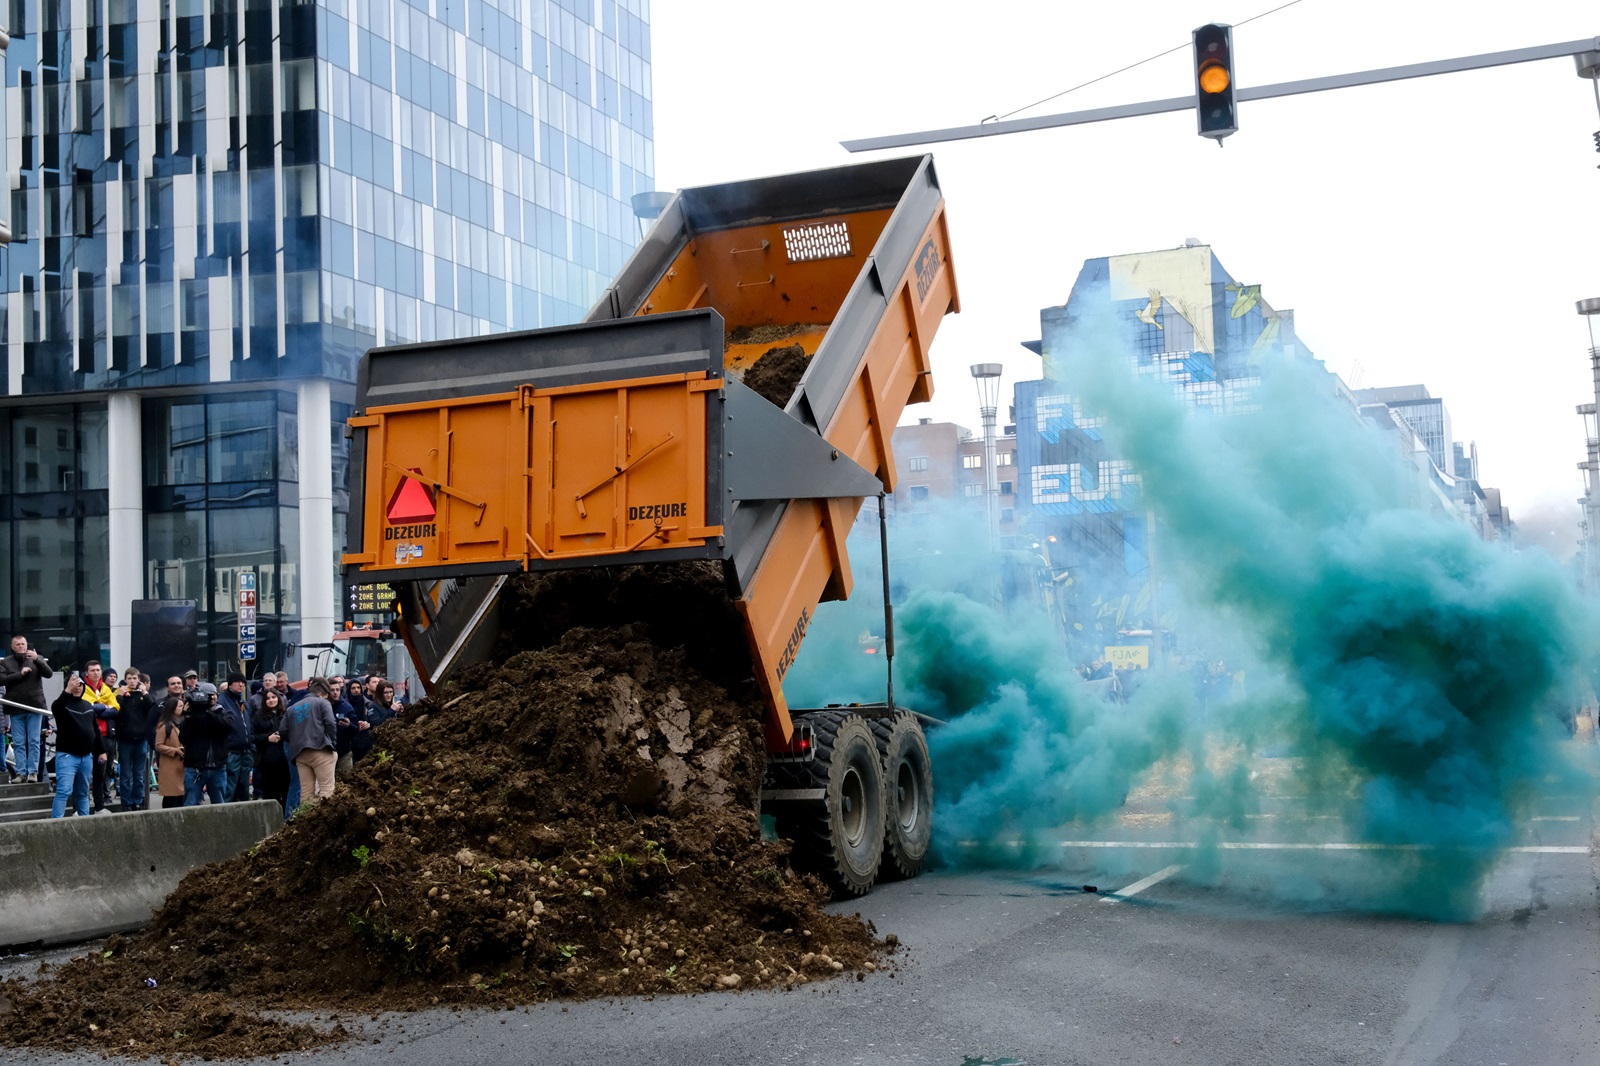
104 698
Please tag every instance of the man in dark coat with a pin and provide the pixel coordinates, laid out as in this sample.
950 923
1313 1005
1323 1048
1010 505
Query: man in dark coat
21 673
131 729
204 736
231 701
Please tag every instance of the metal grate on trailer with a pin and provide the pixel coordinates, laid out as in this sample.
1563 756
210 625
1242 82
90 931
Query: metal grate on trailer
822 240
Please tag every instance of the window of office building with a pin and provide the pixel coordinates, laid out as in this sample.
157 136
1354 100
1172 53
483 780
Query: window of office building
1005 459
220 486
971 462
917 464
54 530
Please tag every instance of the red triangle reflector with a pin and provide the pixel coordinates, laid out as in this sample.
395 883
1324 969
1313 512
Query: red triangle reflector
412 502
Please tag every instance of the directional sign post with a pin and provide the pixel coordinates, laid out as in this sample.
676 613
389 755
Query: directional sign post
247 615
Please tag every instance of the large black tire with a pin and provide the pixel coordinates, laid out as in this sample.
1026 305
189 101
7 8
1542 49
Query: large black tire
908 797
841 839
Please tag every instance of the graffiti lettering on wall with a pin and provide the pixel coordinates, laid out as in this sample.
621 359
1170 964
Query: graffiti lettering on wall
1066 483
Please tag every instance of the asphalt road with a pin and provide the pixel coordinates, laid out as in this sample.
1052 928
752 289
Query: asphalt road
1197 965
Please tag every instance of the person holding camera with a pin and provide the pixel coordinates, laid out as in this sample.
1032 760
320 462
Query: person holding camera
21 673
130 729
204 736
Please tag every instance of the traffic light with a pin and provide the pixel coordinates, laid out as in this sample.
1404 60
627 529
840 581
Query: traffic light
1213 81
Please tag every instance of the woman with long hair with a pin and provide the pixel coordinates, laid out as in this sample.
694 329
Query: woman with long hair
272 766
169 752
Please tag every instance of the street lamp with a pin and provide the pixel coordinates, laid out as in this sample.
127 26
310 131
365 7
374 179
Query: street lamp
1589 67
987 377
1589 309
647 207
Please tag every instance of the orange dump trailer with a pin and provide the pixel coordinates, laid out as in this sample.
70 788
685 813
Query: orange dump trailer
630 438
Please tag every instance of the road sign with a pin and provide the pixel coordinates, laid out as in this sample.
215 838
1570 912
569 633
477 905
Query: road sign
247 650
247 597
247 616
369 599
247 581
247 632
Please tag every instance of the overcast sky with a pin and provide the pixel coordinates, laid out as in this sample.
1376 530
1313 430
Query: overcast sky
1436 231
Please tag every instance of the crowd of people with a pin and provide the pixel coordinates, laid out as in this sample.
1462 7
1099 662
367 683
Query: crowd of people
121 746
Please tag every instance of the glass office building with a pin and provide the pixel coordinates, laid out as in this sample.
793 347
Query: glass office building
1182 320
217 206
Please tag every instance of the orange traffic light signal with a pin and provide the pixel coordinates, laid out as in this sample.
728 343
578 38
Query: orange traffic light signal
1213 81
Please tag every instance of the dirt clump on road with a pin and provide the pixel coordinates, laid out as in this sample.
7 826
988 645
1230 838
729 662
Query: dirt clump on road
577 820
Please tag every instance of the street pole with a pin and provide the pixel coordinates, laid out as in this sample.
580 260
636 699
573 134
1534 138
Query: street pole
1591 464
987 378
1587 50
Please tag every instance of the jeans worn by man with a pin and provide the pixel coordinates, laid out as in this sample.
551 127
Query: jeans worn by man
212 782
292 800
133 773
73 773
27 730
22 673
240 764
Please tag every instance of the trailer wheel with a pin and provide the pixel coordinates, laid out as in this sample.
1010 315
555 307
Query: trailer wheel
841 838
908 798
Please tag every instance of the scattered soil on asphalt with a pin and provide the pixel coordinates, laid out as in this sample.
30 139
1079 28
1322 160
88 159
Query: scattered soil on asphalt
575 821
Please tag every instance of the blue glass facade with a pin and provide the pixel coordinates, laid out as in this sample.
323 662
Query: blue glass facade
215 200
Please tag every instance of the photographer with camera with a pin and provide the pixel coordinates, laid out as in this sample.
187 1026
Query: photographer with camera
204 737
21 673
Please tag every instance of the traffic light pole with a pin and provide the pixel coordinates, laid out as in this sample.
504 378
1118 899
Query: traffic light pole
1262 92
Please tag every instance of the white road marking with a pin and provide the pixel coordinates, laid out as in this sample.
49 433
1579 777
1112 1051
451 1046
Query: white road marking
1141 884
1250 845
1247 845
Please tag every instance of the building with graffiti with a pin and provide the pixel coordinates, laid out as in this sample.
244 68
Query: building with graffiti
1181 319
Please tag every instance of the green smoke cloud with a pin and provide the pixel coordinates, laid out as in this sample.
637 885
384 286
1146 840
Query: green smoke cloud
1408 667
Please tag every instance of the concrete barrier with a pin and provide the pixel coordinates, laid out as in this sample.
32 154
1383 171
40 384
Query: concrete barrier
69 879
